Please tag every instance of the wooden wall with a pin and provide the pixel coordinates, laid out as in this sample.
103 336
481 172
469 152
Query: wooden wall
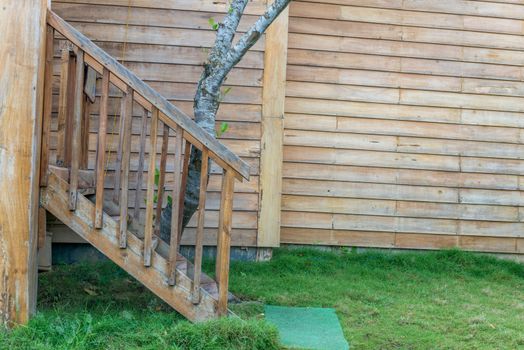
403 118
403 124
166 43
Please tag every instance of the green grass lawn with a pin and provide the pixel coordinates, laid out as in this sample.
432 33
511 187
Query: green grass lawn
434 300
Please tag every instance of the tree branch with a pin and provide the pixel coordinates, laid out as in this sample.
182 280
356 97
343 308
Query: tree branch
227 29
249 38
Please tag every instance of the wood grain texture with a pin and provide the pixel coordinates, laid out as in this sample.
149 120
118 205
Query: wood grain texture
48 105
402 125
124 175
22 58
101 152
149 229
172 69
274 92
76 132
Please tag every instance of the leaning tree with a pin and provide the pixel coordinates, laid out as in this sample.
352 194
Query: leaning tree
223 56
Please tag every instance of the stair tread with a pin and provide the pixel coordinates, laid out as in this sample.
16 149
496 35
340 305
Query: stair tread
55 199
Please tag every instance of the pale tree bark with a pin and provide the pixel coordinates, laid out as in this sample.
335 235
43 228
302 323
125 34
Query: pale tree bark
221 59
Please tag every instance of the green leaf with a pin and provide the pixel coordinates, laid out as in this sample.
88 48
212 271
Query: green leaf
226 91
223 128
169 200
212 23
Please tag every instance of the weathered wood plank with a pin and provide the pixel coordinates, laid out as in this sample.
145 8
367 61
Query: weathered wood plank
63 105
22 58
124 175
148 234
101 152
76 132
273 103
48 106
140 173
161 178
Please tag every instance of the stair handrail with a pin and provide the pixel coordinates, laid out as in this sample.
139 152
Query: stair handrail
148 97
73 148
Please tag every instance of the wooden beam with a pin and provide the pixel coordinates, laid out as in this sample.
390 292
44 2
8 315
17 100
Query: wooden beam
273 98
22 58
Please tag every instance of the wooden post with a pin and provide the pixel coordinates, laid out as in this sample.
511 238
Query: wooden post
273 98
224 240
22 58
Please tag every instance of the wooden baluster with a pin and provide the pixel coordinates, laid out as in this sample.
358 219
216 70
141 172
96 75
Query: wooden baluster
127 116
161 178
66 61
101 151
140 173
90 97
224 240
199 240
148 235
187 156
48 106
118 164
71 86
84 143
176 204
76 132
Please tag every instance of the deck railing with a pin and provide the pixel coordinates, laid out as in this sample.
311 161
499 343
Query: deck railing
81 62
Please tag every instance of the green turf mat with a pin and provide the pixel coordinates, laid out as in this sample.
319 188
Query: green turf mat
307 328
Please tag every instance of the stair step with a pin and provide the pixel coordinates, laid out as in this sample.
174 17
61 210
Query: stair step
55 198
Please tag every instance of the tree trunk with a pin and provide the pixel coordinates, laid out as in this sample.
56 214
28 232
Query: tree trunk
206 103
222 58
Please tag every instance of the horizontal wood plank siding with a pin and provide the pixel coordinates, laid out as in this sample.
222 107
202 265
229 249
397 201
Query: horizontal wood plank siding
403 125
166 43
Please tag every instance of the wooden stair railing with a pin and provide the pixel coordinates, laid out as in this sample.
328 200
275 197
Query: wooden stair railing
81 59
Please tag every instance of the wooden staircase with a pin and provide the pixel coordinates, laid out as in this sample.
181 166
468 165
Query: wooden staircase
66 178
